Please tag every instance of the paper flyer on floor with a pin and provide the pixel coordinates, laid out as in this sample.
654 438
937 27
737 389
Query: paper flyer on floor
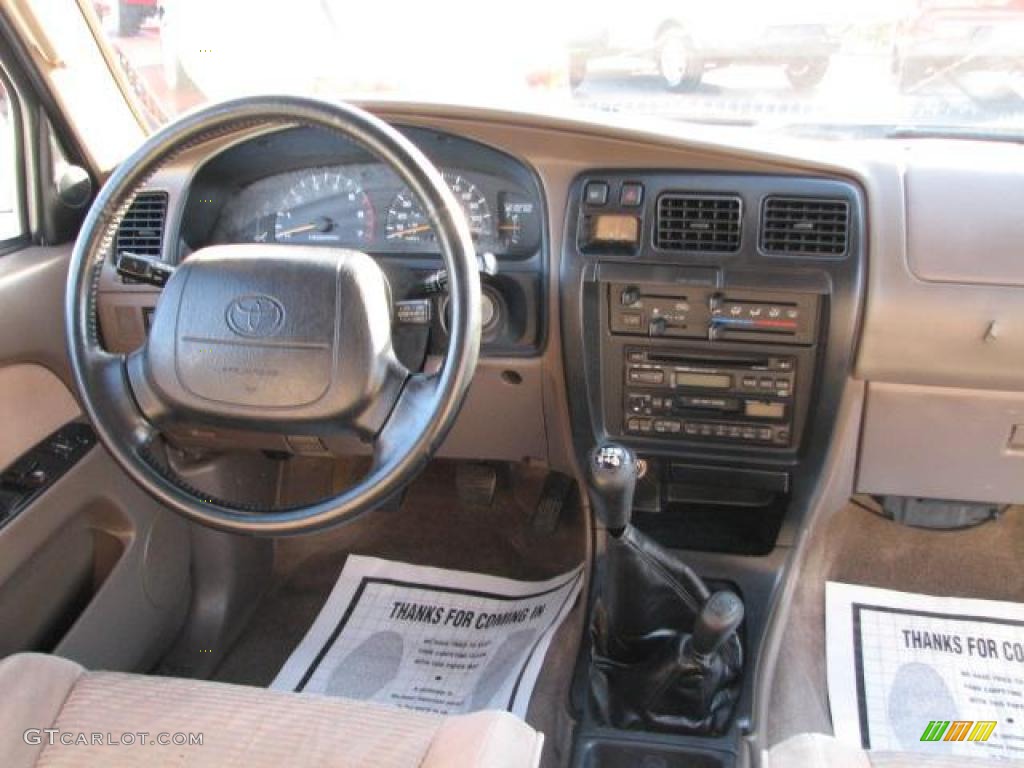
430 639
916 673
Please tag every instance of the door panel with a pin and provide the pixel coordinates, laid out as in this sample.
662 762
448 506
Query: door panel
92 568
33 403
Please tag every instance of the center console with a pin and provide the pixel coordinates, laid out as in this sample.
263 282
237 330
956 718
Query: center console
709 322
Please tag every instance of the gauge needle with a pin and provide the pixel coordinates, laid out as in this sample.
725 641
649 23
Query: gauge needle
509 226
410 231
322 224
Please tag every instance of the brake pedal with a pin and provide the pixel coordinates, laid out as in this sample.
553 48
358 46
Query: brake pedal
553 498
476 484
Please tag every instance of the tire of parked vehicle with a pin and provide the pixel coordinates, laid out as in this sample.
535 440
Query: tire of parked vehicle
679 68
804 75
577 70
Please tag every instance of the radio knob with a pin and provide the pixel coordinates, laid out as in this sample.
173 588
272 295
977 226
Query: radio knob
658 326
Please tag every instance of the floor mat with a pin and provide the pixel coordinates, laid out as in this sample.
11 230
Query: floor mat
857 545
911 672
430 639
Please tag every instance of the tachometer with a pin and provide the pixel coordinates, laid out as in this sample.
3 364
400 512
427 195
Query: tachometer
325 206
407 221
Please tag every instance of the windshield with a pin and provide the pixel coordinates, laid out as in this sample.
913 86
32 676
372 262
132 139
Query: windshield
795 64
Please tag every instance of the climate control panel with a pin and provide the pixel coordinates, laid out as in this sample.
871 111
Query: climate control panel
699 312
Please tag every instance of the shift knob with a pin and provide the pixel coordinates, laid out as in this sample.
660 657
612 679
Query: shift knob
613 474
720 617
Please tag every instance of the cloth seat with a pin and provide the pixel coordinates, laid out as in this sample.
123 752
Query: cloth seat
55 714
816 750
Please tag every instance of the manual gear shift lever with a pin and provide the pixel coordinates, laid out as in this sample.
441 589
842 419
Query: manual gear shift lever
613 475
666 655
718 620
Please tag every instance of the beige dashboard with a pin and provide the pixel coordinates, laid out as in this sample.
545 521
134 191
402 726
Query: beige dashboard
941 342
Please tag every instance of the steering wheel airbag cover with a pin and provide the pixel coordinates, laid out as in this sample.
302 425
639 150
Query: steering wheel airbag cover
303 332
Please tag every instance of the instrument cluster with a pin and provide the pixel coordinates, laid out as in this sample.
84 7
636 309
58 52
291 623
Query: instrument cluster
366 206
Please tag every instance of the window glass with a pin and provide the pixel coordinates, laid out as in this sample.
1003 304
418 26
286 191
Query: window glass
10 216
840 67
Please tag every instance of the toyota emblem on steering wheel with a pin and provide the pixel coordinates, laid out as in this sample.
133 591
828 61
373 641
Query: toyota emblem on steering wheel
255 315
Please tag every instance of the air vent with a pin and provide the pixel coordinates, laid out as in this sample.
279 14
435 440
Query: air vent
698 223
800 225
142 228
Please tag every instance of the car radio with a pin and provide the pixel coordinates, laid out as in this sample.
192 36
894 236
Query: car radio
732 398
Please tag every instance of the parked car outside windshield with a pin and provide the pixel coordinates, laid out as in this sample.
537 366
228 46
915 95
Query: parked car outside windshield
850 65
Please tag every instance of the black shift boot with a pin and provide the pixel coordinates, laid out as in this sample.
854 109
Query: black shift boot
665 652
647 670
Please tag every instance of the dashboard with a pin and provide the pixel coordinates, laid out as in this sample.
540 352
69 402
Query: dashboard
578 352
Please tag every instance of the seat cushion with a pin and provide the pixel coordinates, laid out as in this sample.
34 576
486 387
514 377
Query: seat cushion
816 750
239 725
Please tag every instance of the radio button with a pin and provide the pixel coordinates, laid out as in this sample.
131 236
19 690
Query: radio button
691 428
667 426
767 383
636 356
750 382
764 433
635 424
646 376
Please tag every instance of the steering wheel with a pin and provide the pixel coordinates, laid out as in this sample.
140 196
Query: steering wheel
286 339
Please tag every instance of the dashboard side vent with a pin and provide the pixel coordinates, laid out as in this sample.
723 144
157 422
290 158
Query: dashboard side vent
142 228
688 222
805 226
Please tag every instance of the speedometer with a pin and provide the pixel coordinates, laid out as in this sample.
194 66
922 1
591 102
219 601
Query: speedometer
325 206
407 221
